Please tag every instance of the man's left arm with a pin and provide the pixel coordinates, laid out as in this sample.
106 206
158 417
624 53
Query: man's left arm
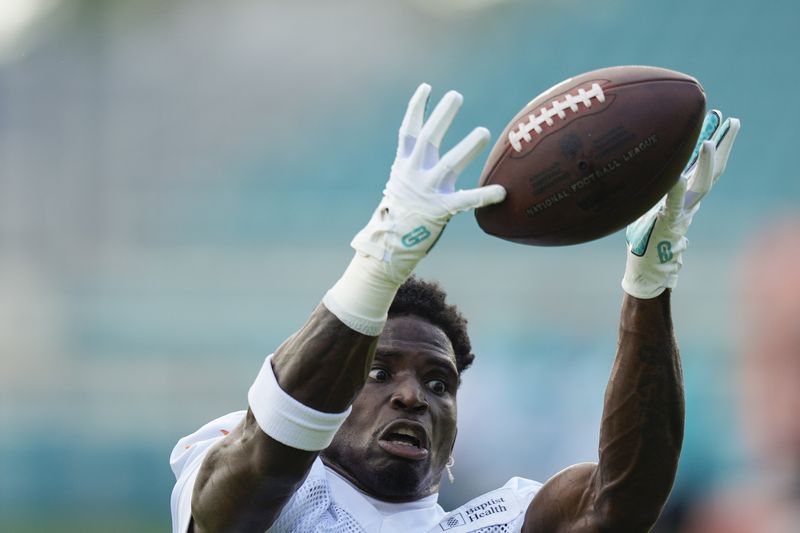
640 435
642 425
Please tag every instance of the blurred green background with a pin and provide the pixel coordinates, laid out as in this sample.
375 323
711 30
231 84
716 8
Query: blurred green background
179 182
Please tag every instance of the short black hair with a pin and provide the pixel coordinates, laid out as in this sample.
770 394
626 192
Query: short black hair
427 300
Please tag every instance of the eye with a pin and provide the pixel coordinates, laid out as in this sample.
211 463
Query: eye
378 374
437 386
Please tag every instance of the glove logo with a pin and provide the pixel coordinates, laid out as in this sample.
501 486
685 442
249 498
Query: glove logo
664 249
415 236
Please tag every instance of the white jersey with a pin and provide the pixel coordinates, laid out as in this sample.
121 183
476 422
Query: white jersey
327 503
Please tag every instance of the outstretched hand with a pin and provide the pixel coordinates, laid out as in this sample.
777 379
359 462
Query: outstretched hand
656 240
420 196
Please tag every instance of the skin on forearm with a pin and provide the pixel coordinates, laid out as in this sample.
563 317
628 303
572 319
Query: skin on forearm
642 426
325 364
247 478
640 435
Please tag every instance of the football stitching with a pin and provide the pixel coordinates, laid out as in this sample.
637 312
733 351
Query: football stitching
557 109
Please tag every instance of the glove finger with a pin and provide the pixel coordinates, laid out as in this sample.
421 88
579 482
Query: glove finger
413 119
442 116
478 197
456 160
702 178
724 139
710 126
673 204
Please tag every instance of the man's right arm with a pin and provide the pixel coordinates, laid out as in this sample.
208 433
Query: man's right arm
247 478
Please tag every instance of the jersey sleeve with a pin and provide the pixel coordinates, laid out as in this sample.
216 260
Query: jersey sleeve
186 459
525 489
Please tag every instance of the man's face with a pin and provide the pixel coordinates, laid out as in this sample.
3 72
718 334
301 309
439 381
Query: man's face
400 434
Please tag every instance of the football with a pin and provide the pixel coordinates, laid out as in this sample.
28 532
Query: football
590 155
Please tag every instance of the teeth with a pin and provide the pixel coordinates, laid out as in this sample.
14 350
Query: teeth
404 437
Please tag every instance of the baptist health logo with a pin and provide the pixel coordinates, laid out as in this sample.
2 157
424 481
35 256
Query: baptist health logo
454 521
474 513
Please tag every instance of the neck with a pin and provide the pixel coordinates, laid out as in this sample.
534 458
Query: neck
418 493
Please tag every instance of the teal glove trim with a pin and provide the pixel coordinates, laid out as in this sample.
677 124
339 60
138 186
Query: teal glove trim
721 132
638 232
710 127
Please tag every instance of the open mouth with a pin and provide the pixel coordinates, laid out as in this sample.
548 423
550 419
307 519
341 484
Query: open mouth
405 438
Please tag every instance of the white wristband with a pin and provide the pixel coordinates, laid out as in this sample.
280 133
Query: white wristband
362 296
285 419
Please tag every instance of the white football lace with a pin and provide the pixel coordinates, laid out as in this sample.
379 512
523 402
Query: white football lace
557 109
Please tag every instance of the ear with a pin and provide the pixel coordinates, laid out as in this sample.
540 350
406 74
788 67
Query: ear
455 437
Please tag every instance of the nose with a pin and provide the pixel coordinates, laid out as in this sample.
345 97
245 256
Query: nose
408 395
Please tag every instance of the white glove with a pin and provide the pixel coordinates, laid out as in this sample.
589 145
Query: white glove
656 240
420 196
418 201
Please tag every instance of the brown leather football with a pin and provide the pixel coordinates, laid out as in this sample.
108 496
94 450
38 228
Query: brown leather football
590 155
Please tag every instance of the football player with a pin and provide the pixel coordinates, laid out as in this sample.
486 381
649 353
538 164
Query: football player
352 421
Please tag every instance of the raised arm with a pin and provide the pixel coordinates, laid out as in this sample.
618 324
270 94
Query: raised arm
304 391
247 478
642 426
